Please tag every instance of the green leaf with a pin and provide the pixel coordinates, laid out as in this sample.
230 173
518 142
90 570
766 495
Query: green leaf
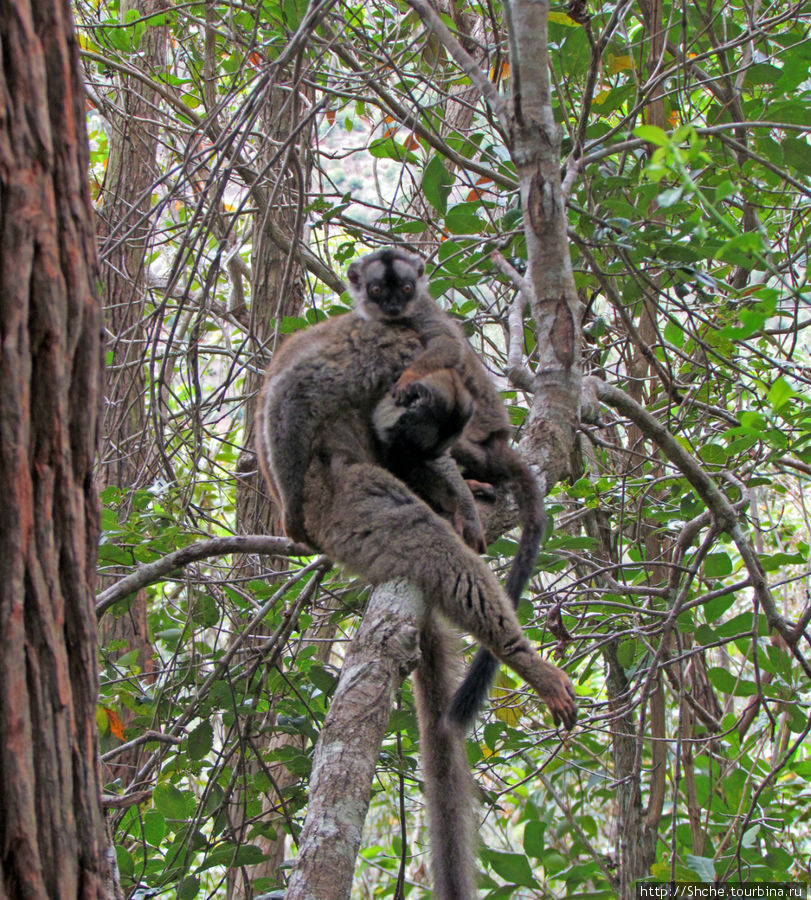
674 334
780 393
717 565
154 827
126 866
797 154
462 219
322 679
171 801
626 652
714 609
110 554
725 189
188 888
248 855
653 135
722 679
763 73
702 866
200 741
669 197
737 249
437 182
512 867
388 148
713 454
534 838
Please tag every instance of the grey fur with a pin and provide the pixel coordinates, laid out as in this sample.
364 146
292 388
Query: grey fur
406 418
318 450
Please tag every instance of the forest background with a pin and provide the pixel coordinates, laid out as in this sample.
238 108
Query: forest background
240 156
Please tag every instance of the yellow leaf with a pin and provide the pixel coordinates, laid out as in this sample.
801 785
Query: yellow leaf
505 707
562 19
619 63
600 96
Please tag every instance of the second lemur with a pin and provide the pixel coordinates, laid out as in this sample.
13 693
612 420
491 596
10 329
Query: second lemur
405 422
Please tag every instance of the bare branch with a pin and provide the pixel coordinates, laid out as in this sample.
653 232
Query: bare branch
149 573
468 65
726 517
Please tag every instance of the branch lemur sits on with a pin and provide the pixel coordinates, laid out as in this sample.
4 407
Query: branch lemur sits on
324 437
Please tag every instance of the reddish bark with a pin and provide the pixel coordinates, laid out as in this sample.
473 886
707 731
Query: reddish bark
51 828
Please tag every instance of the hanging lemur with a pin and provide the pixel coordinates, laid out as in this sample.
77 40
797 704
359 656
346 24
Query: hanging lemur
324 457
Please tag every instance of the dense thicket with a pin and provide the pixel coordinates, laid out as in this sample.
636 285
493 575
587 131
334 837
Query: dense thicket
263 148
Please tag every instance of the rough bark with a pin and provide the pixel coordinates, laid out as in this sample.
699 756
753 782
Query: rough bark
555 412
51 826
124 226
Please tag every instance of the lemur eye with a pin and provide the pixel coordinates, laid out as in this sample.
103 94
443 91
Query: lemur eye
407 288
375 290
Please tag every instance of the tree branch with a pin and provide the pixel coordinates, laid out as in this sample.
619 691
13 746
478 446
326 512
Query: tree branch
724 513
466 62
149 573
382 654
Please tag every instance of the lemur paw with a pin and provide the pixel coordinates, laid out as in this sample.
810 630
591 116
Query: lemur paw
481 489
407 393
470 530
562 701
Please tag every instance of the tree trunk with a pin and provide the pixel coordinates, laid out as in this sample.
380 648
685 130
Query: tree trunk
51 825
124 227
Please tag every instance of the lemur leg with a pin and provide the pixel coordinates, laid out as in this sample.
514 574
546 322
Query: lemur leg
365 518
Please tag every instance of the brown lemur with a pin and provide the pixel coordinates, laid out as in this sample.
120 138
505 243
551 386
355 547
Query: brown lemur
405 423
318 450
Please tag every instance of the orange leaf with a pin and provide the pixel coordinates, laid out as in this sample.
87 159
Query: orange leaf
474 195
484 179
412 142
331 116
116 725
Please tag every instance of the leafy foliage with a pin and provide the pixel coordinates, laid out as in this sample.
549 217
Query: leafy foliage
686 159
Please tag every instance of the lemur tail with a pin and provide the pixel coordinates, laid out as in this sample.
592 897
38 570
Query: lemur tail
472 693
448 783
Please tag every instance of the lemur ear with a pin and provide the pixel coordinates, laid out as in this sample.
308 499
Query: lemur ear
353 274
